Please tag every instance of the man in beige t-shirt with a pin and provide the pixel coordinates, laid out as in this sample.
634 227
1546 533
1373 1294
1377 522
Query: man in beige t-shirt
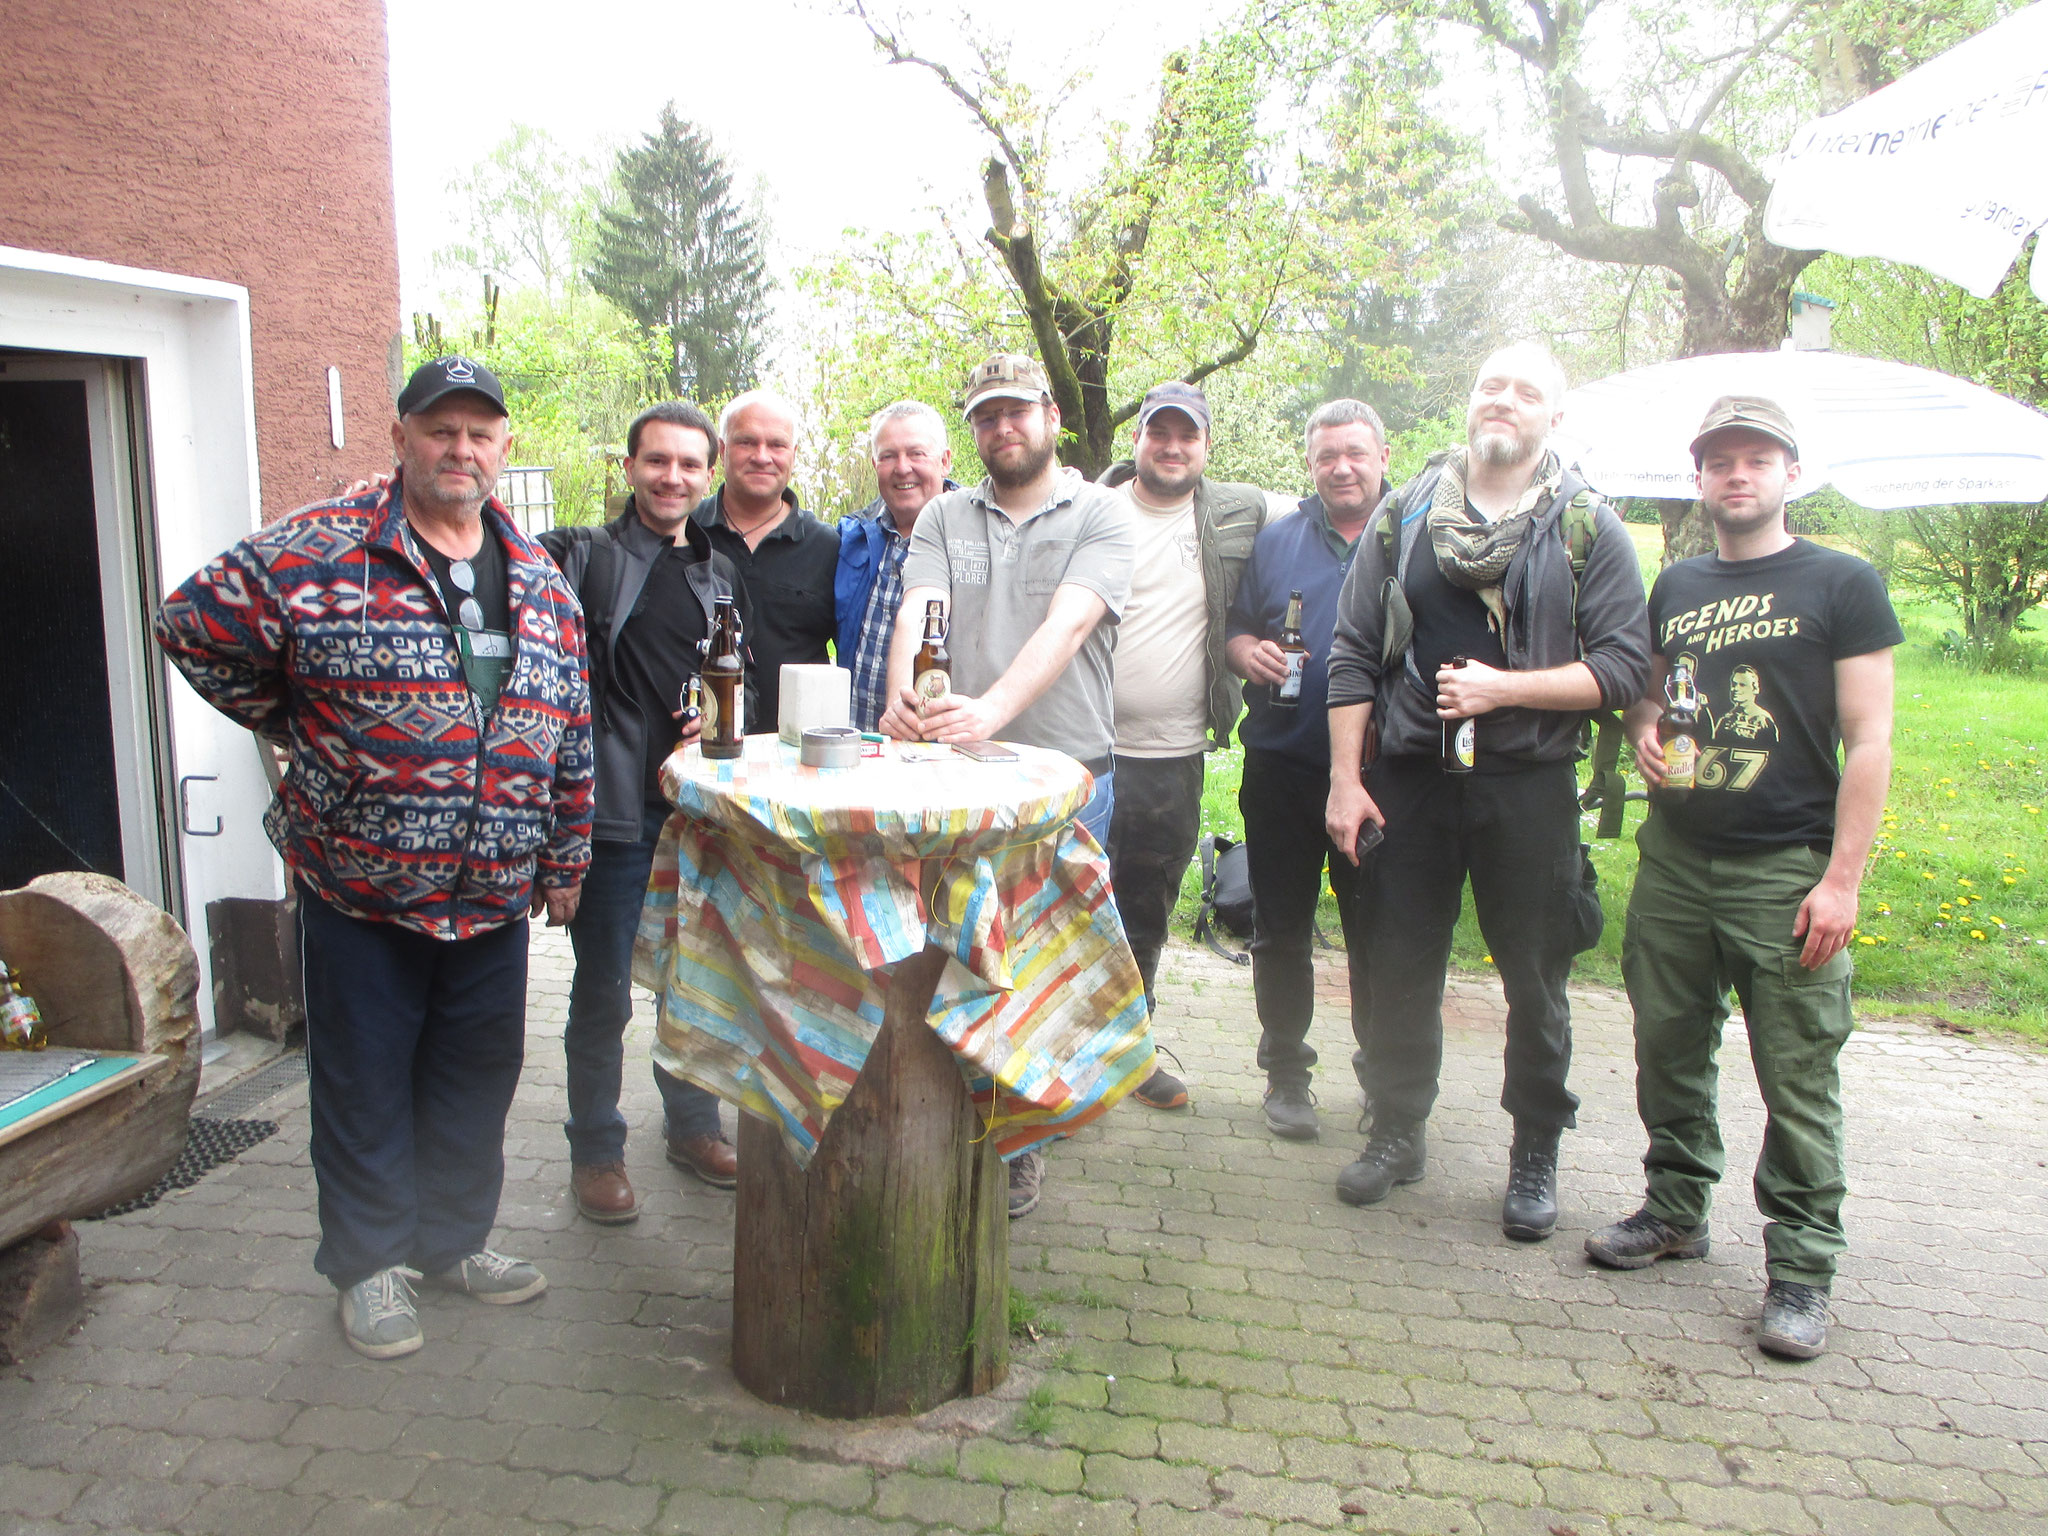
1174 697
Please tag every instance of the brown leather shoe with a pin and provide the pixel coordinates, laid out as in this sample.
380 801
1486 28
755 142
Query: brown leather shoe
602 1193
712 1158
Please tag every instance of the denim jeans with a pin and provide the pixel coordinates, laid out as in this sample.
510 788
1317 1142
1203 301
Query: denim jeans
601 1005
1100 809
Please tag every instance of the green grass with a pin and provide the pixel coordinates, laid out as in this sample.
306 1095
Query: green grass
1035 1417
1954 920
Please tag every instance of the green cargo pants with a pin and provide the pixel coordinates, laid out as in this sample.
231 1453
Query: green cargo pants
1697 925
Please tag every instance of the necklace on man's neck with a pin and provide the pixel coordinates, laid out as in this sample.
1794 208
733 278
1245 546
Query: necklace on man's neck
753 528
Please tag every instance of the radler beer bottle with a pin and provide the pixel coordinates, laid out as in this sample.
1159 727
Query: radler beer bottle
725 686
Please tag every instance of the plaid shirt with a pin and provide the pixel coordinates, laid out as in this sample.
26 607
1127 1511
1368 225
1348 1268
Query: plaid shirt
877 626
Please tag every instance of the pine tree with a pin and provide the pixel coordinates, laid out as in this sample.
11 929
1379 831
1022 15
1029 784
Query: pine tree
676 253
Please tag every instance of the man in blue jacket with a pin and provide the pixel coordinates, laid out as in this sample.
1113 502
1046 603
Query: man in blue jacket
912 460
1287 749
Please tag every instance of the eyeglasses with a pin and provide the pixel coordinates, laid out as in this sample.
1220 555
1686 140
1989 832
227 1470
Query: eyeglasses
471 613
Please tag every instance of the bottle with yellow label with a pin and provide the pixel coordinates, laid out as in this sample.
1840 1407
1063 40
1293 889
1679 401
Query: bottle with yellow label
1678 729
21 1022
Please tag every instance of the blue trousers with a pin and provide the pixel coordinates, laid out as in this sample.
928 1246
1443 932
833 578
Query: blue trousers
413 1051
601 1005
1101 807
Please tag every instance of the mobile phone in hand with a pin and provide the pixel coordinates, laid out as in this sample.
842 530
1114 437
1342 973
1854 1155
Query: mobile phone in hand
1370 835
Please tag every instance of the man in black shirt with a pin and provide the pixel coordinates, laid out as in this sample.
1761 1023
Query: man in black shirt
647 581
785 556
1749 878
1473 558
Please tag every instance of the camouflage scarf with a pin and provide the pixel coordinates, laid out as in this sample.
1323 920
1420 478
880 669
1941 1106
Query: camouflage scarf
1475 556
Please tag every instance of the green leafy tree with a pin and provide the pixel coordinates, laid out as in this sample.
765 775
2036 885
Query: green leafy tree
678 253
529 206
1194 242
1640 134
1990 561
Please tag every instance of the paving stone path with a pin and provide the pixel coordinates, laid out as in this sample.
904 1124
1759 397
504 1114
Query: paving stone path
1224 1347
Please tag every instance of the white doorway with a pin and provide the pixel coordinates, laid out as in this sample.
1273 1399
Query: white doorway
148 378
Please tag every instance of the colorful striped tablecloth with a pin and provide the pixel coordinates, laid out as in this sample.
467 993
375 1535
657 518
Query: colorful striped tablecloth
782 895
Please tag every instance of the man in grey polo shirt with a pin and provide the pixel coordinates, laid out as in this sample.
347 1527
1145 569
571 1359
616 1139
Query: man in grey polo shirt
1035 566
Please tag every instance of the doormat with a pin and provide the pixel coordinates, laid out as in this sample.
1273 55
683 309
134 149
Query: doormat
208 1144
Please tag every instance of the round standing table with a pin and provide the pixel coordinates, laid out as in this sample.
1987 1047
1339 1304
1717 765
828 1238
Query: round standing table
903 973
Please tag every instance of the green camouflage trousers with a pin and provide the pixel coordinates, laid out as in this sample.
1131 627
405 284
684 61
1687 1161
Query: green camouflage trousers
1699 925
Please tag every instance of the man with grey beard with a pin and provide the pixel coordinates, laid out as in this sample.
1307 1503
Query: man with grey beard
1494 604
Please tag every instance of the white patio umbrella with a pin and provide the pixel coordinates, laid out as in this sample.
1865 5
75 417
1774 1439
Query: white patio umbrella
1883 434
1943 168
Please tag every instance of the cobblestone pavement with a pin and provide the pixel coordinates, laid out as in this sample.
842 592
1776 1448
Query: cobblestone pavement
1226 1349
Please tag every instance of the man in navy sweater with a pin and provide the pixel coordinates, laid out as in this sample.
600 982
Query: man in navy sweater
1287 750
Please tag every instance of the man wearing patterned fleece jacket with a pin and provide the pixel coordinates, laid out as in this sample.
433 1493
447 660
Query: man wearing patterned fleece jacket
422 662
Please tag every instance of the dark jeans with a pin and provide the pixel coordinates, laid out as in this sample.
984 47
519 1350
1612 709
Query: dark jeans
413 1050
1287 850
1517 835
601 1005
1152 840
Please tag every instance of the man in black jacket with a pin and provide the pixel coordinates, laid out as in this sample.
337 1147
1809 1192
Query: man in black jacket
648 581
1496 556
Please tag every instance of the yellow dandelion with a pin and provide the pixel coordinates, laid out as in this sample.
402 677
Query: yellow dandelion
1976 933
1866 939
1961 881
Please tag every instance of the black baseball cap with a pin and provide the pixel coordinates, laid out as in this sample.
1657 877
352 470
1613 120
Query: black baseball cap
1175 396
448 376
1749 413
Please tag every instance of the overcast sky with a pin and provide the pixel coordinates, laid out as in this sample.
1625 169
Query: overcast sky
793 93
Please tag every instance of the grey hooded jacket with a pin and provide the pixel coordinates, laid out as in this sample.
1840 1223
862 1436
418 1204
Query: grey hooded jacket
1599 618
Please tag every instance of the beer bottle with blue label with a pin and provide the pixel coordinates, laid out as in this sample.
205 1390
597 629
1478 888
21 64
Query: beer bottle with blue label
1287 692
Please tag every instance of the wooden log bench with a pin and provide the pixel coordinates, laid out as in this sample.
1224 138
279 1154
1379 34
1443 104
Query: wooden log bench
110 972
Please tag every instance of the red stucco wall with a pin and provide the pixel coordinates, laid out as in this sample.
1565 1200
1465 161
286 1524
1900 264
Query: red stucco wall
243 140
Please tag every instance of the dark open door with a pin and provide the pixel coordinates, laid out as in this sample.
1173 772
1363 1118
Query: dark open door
59 799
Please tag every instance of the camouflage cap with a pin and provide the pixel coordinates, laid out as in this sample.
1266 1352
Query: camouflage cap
1750 413
1007 376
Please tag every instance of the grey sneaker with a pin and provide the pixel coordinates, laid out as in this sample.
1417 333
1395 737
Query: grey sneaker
1291 1111
378 1316
1027 1183
1795 1321
1638 1241
496 1279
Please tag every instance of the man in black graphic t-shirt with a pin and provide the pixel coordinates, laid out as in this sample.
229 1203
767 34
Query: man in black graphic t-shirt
1750 878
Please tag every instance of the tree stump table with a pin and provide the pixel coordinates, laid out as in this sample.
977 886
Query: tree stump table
110 973
903 974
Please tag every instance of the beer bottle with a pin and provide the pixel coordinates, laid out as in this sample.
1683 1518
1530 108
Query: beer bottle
725 686
1287 692
1461 737
21 1022
1678 728
933 673
693 709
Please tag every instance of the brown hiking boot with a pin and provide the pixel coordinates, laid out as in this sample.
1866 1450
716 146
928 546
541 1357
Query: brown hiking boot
712 1158
602 1192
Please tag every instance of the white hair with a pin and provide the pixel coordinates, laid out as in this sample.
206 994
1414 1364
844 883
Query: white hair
752 397
908 410
1541 365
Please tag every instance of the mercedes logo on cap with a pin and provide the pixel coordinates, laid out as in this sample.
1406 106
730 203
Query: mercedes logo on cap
460 370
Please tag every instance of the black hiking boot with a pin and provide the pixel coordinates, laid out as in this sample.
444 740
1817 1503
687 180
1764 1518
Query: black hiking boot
1528 1213
1394 1156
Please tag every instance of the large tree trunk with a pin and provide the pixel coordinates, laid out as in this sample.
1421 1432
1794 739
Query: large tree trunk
110 972
1686 529
878 1280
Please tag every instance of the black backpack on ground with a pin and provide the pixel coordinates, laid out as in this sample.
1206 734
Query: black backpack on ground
1226 896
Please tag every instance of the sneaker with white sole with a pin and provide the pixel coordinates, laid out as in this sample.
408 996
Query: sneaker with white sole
1027 1183
379 1317
496 1279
